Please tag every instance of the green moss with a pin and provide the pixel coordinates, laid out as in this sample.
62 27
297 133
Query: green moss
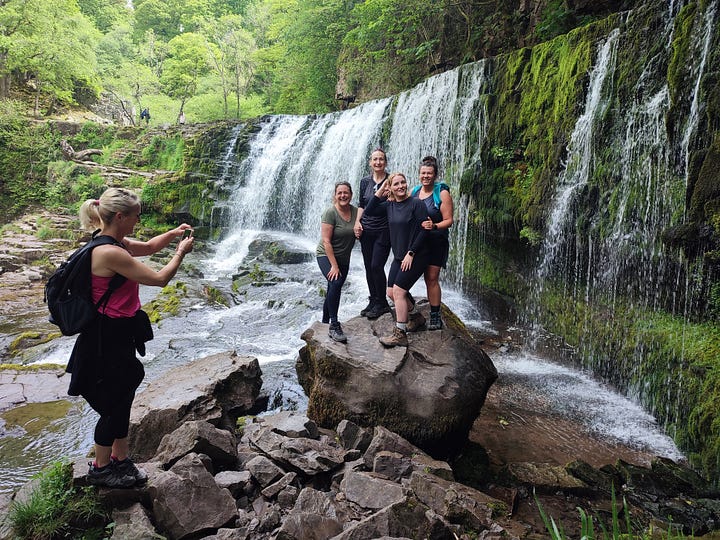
215 296
680 58
32 367
27 339
34 418
167 302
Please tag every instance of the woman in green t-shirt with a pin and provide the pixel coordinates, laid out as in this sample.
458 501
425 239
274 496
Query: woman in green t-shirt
333 253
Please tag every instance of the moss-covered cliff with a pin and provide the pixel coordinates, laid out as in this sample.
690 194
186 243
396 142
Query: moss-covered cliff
628 274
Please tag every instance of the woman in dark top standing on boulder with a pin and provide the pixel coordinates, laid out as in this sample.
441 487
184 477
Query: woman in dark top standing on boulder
374 237
405 216
439 203
333 253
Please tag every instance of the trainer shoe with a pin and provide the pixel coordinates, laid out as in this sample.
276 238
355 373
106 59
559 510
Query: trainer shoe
336 333
415 322
435 321
126 467
109 476
397 338
379 309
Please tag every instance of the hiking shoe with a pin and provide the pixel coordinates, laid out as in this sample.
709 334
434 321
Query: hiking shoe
126 467
109 476
397 338
435 321
371 303
415 322
379 309
336 333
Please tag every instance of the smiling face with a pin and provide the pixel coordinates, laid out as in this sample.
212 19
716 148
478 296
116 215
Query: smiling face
378 161
398 187
427 175
343 195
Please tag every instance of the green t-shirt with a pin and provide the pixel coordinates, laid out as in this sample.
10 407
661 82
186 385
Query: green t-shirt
343 236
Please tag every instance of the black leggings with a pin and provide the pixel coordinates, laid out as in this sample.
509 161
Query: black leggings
114 416
334 288
375 247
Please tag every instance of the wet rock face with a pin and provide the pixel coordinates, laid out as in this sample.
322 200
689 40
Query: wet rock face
430 392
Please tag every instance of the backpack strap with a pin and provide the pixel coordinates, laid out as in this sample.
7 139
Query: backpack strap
437 189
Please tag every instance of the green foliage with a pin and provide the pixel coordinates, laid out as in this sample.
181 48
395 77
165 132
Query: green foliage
165 153
55 509
188 60
61 69
25 150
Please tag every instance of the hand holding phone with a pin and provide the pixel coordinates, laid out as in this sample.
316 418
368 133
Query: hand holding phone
187 233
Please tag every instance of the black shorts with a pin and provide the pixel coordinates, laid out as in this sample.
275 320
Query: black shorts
439 249
405 280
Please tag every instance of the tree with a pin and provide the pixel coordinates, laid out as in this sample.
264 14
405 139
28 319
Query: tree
398 38
187 61
106 14
230 49
308 74
123 75
53 45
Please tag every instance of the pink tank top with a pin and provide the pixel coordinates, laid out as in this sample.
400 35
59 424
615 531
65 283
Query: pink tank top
123 302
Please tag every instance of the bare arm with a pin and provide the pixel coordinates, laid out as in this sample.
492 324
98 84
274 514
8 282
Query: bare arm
326 232
155 244
109 260
358 228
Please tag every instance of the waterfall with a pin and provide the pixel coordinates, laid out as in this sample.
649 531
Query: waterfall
288 177
694 116
579 162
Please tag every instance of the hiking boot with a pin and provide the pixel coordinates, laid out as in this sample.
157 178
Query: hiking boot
435 321
109 476
336 333
379 309
397 338
415 322
126 467
371 303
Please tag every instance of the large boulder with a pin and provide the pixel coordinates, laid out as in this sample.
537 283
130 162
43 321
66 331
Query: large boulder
216 389
430 392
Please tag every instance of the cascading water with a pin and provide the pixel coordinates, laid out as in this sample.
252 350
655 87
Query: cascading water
603 249
579 163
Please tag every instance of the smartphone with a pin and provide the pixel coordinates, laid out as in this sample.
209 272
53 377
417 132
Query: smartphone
187 233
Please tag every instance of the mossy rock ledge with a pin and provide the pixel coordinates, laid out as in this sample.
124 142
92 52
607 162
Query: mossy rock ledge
430 392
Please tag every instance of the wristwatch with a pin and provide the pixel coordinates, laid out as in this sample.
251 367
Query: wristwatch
411 253
435 226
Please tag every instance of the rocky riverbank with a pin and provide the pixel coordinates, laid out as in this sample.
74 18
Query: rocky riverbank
506 433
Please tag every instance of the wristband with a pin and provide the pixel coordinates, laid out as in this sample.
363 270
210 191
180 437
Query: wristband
435 227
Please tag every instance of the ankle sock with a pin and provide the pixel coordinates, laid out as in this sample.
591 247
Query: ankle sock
434 309
402 326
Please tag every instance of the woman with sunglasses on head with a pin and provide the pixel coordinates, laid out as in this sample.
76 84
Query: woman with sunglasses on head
405 215
374 237
439 203
333 253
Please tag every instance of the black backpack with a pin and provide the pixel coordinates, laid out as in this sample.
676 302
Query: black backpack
68 290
